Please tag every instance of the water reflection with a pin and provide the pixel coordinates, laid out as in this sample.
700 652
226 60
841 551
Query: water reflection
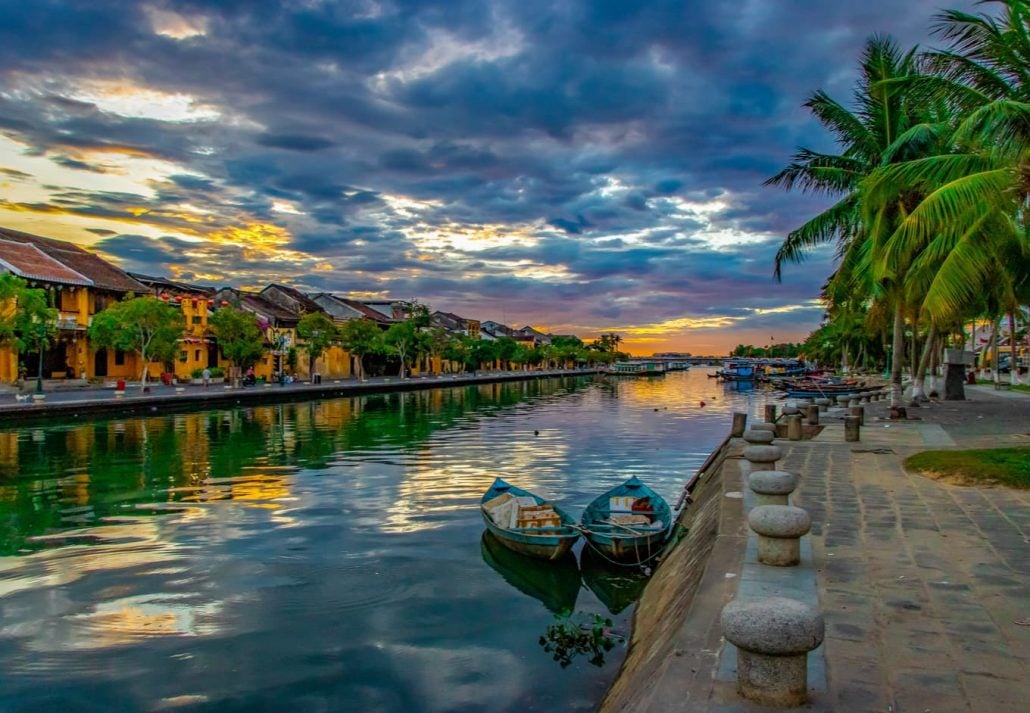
616 587
555 584
317 555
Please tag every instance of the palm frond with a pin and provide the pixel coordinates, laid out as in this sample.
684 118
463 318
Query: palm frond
839 221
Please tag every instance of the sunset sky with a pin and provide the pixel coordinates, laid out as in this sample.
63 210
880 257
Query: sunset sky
581 167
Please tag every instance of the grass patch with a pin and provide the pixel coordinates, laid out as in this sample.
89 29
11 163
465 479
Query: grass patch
992 466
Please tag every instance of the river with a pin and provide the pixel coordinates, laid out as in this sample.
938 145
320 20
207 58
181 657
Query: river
327 555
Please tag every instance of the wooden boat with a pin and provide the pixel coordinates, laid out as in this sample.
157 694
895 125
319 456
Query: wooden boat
628 524
637 368
555 584
526 523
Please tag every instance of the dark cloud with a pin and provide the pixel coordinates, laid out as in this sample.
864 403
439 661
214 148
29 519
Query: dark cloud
619 147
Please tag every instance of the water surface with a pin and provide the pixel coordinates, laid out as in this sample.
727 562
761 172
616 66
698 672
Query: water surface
324 555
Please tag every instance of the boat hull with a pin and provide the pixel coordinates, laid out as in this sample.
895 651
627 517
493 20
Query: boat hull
620 544
548 547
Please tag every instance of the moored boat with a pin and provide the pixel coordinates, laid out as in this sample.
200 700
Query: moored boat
637 368
527 523
555 583
628 524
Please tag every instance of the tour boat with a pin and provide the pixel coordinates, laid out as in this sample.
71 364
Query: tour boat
527 523
628 524
637 368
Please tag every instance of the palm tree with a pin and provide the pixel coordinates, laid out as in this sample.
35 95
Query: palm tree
888 125
970 234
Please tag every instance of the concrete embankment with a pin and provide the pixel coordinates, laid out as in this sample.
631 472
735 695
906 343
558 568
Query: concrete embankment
667 642
94 402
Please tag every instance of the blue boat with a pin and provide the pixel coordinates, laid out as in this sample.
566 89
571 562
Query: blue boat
628 524
523 522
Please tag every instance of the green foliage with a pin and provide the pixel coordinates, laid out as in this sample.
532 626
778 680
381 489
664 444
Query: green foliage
27 321
318 332
785 350
401 339
361 338
574 634
607 343
239 336
143 325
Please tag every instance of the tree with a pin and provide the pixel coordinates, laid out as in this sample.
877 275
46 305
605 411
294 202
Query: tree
507 349
239 336
27 321
401 338
318 333
890 124
607 343
145 326
361 337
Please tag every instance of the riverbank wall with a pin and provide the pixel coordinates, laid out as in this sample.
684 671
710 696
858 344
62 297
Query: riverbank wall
94 403
667 640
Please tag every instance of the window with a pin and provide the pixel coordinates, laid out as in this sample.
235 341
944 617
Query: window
182 356
119 357
196 319
196 355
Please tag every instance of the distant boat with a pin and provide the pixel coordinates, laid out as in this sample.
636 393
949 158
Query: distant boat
555 584
637 368
740 370
526 523
628 524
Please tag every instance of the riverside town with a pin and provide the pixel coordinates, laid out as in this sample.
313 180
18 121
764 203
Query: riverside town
465 357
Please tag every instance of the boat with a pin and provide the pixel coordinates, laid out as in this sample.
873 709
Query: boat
527 523
628 524
637 368
554 584
739 370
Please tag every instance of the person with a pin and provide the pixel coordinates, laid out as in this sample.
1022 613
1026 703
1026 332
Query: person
249 379
207 376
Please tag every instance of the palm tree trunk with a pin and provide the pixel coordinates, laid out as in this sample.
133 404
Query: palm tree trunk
898 347
995 328
1013 366
919 376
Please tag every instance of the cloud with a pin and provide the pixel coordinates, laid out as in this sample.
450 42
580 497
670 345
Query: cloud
588 164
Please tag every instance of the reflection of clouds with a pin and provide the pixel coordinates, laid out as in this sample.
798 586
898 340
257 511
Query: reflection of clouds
448 679
123 621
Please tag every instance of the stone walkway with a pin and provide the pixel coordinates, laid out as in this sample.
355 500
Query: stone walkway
925 587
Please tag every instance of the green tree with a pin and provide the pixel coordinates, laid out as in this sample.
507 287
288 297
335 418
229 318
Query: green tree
27 321
145 326
239 336
361 338
401 339
890 124
507 349
318 332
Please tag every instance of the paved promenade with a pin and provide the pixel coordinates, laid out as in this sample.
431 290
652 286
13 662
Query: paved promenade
75 400
924 586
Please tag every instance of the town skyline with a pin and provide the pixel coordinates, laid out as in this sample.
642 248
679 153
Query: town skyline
581 168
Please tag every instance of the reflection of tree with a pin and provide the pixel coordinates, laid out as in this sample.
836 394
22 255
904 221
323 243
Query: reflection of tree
56 479
573 634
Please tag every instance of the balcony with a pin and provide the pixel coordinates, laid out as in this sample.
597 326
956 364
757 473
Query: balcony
70 321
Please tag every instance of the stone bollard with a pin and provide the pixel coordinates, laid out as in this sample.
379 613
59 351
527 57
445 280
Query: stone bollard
772 487
759 436
843 400
823 404
794 427
762 457
852 429
779 529
864 399
790 410
812 415
773 636
770 413
739 422
858 411
762 426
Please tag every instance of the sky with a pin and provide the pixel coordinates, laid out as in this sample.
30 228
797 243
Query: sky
582 167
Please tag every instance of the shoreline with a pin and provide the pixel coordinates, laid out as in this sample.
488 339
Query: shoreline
102 402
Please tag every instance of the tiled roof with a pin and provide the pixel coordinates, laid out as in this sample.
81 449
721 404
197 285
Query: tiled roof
103 274
303 301
28 261
368 312
173 285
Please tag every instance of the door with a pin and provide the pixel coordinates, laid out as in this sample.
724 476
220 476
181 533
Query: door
100 363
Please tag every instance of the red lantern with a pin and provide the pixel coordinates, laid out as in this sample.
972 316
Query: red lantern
225 303
178 298
164 296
